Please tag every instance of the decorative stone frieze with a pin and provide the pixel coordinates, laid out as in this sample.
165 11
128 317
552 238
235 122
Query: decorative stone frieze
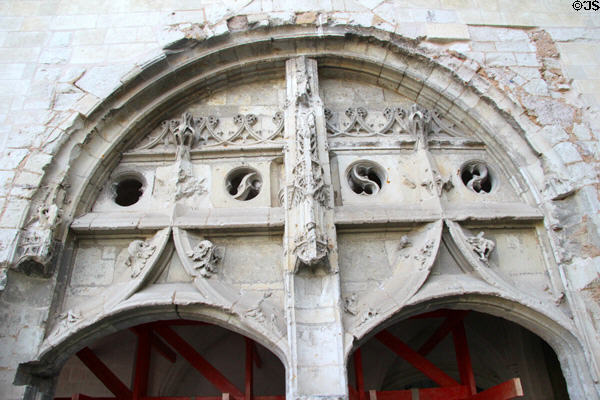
416 122
203 131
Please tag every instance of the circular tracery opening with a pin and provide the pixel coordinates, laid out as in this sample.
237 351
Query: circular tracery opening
128 191
366 178
476 176
243 183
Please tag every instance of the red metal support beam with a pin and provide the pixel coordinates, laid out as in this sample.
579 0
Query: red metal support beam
463 358
84 397
197 361
358 373
510 389
142 364
102 372
249 389
158 345
445 393
444 329
417 360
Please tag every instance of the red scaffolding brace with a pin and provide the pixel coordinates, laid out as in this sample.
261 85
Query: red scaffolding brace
161 337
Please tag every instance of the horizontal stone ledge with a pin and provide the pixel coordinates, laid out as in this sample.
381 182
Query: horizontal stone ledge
260 218
273 218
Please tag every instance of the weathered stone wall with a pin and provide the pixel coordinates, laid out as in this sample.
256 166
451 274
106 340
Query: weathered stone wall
59 60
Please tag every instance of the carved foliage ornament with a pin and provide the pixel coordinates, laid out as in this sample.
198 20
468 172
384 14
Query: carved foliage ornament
139 252
308 172
482 246
205 256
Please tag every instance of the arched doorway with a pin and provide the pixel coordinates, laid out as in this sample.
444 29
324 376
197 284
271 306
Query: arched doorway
455 354
195 185
172 359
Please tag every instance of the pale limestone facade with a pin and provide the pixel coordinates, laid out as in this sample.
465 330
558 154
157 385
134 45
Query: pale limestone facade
326 181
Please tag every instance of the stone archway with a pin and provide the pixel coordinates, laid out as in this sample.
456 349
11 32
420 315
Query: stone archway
437 351
171 359
321 163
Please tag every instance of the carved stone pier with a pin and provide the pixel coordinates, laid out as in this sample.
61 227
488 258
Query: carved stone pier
315 331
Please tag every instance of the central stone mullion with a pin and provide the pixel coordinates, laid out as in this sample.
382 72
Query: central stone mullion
313 302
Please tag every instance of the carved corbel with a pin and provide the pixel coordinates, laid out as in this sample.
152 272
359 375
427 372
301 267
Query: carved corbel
36 244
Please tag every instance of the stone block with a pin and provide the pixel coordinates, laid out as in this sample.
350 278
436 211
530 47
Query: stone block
446 31
11 23
36 23
20 55
58 55
89 269
24 39
12 71
527 60
61 39
64 22
567 152
101 81
500 59
88 54
486 34
89 37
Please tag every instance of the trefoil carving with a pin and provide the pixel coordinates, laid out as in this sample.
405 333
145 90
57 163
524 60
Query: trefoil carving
205 256
482 246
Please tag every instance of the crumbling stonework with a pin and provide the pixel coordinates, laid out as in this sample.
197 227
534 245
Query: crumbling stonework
307 174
